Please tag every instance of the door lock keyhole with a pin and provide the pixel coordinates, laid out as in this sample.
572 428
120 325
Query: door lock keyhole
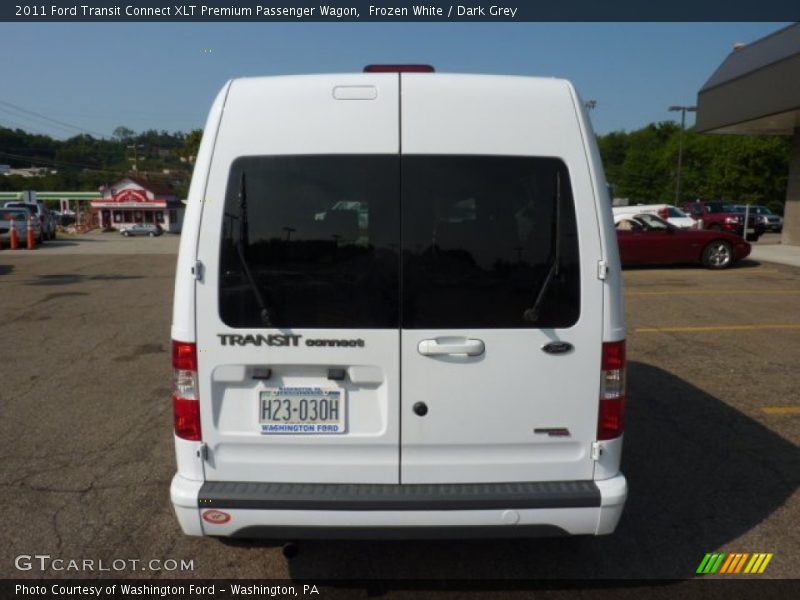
420 409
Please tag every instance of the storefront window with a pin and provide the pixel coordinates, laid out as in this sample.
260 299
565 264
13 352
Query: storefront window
117 217
159 216
148 216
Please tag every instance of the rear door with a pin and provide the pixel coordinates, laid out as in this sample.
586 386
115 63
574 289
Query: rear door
492 174
299 358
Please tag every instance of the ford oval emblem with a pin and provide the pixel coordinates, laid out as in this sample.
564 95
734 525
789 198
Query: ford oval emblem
558 347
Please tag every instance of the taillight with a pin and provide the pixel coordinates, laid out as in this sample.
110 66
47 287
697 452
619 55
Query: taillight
611 422
399 69
185 401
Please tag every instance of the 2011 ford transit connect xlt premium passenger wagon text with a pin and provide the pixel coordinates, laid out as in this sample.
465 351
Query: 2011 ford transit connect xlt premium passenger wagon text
398 313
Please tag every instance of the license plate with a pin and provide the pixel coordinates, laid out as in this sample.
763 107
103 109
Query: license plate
302 410
750 230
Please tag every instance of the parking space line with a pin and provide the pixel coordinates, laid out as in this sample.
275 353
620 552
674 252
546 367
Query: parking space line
715 293
693 328
781 410
704 272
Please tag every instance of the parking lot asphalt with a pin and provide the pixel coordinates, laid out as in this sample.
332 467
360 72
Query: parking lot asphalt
711 445
104 243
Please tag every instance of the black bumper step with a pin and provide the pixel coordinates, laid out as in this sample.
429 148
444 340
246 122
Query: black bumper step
446 496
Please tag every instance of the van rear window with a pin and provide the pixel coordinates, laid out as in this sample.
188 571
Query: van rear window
479 238
322 239
320 235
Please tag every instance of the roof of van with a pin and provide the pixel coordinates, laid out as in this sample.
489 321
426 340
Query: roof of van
545 83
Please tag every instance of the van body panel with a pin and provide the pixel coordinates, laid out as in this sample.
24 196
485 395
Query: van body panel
399 230
289 116
183 304
483 411
613 300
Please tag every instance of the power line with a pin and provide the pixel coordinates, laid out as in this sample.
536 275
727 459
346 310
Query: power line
35 125
59 163
56 121
11 125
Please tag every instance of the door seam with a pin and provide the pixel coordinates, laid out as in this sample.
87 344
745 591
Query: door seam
400 283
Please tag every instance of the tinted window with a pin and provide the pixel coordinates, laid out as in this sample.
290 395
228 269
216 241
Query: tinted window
652 222
320 234
478 239
675 212
30 208
717 207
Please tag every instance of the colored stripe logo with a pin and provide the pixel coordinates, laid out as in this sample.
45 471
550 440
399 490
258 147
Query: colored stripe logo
734 562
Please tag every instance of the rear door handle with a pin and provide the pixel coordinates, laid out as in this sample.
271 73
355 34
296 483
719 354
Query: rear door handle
440 346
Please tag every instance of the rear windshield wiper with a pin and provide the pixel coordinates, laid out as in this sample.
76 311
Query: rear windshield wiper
241 247
532 313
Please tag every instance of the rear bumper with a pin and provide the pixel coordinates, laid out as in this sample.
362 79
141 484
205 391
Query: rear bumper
311 511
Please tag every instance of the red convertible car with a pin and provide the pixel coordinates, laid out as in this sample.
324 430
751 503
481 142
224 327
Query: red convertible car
646 239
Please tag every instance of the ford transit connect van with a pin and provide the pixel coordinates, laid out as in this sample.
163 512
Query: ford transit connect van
398 312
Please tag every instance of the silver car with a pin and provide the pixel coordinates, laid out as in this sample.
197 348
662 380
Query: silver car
21 218
47 224
149 229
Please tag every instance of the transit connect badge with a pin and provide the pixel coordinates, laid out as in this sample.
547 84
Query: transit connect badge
286 340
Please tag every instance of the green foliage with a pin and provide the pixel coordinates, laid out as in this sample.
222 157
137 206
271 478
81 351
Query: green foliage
84 163
642 166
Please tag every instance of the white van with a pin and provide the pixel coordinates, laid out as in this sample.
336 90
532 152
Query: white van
398 312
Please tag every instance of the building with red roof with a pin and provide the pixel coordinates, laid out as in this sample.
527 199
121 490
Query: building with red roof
136 200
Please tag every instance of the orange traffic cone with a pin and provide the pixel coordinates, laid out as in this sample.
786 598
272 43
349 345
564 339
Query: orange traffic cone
14 236
31 238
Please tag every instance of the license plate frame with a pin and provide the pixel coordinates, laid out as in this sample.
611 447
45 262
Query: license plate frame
299 410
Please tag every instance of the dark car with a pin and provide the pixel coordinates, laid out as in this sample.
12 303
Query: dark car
646 239
723 216
764 216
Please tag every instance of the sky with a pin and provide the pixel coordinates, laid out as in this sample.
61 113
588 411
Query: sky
95 77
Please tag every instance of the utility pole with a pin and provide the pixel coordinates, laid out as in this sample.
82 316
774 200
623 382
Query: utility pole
135 148
683 110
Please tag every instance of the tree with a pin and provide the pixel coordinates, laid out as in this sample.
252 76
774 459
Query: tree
123 134
642 165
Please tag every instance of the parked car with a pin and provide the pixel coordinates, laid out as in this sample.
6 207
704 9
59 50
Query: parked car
723 216
764 216
671 214
43 215
149 229
646 239
21 220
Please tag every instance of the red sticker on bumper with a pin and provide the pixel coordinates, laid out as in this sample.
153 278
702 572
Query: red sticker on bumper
216 517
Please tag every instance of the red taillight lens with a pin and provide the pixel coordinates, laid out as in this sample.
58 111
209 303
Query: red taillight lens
185 403
399 69
187 419
184 356
611 421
